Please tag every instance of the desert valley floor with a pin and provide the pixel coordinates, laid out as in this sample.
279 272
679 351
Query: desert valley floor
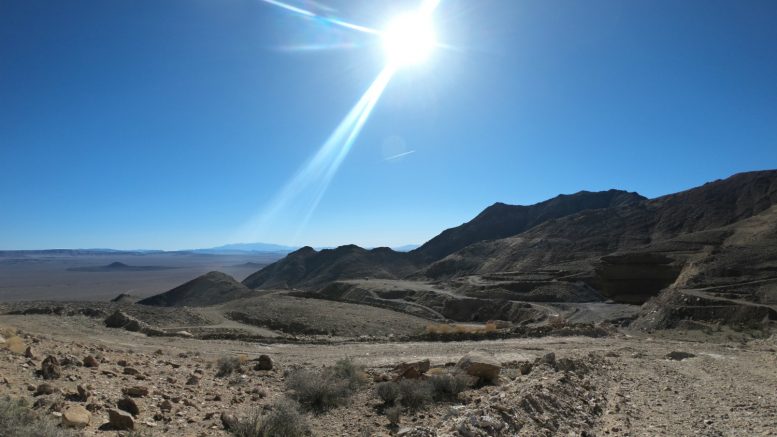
621 384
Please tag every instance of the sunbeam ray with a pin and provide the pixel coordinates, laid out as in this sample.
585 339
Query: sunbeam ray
335 21
306 189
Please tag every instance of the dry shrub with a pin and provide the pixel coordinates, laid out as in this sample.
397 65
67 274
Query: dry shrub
227 365
16 419
319 391
447 387
388 392
283 420
415 394
394 414
353 373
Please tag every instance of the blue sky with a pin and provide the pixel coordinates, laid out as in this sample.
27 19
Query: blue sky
173 124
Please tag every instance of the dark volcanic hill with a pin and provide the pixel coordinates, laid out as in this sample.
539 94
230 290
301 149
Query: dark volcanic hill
620 243
118 267
209 289
308 268
500 220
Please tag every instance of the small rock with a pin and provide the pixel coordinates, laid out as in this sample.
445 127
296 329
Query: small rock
120 420
549 359
128 405
264 362
229 421
91 361
130 371
193 380
679 356
76 417
166 406
50 368
136 391
28 353
44 389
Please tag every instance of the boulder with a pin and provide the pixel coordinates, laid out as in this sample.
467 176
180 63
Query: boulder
76 416
412 370
120 420
50 369
264 362
480 365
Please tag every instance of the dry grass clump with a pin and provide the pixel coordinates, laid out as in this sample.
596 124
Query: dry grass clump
446 328
227 365
446 387
328 388
283 420
16 419
394 414
415 394
388 392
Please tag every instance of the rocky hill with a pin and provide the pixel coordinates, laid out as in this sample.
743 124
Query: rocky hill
500 220
209 289
308 268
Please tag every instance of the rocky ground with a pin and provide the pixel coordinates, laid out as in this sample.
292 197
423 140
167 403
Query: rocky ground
622 384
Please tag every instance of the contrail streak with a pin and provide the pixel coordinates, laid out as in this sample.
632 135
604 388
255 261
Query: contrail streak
399 155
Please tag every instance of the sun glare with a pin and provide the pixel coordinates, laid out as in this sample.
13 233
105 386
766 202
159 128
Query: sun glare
409 39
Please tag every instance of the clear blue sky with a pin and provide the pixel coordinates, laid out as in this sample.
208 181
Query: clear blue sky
170 124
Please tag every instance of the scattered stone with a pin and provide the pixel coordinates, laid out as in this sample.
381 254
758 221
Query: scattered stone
120 420
28 353
679 356
136 391
525 367
122 363
229 421
193 380
130 371
44 389
480 365
128 405
83 393
91 361
549 359
76 416
50 369
264 362
166 406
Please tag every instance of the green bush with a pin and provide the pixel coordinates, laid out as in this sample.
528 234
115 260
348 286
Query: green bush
388 392
283 420
17 420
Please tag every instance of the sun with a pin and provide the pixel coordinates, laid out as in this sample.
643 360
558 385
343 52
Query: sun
409 39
